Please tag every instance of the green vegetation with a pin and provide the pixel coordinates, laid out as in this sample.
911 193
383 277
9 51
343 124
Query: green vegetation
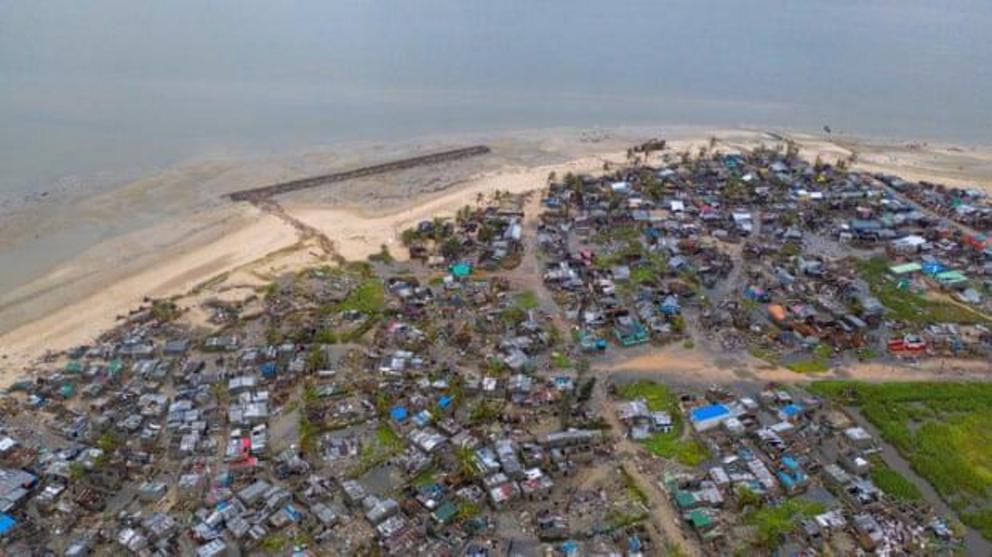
466 462
485 411
688 452
108 442
368 297
866 353
656 395
308 434
941 429
624 233
388 438
274 543
386 444
635 491
771 523
894 483
359 331
819 362
513 315
165 310
467 510
560 360
747 497
911 307
383 256
617 519
671 445
527 300
764 354
425 477
641 275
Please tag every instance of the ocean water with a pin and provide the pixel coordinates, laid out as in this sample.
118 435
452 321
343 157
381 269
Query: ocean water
106 88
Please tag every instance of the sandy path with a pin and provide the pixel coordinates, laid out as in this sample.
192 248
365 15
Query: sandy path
678 365
664 516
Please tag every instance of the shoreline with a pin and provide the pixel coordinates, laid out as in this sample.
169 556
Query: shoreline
201 238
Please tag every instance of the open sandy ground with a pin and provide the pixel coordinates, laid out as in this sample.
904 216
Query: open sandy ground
79 298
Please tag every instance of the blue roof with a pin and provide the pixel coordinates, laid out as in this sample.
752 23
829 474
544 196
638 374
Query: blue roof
790 462
461 269
398 413
444 401
933 268
7 523
704 413
293 513
792 409
268 368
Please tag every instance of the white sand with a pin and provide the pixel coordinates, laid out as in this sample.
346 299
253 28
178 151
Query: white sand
76 301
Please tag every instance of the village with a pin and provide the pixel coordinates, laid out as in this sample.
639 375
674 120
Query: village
457 399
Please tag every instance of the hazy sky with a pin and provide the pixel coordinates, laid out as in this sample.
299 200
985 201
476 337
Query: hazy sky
106 85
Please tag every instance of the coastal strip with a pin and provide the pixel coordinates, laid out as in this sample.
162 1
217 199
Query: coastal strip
264 192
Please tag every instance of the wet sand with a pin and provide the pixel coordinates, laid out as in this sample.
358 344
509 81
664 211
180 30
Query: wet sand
163 235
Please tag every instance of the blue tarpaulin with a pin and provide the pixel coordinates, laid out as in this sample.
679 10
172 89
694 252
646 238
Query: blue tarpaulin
709 412
444 401
398 413
7 523
792 410
933 268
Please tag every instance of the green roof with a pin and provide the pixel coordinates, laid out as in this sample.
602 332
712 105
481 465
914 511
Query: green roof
700 520
460 270
684 499
951 276
75 366
445 512
905 268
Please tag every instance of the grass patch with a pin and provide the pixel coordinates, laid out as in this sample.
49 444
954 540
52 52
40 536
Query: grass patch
764 354
368 297
527 300
625 233
819 362
617 519
941 429
894 483
560 360
911 307
656 395
687 452
635 491
386 444
772 523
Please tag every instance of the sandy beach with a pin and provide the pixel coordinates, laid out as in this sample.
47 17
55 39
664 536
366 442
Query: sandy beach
187 235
